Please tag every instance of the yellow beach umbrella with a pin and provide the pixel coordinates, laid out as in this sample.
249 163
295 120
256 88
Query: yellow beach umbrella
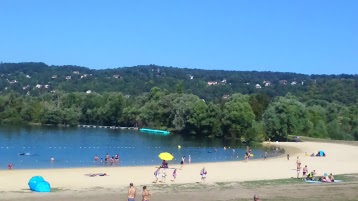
166 156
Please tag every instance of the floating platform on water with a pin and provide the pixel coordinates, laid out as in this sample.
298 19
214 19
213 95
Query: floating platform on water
147 130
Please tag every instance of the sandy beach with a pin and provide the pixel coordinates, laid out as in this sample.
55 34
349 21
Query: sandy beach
340 159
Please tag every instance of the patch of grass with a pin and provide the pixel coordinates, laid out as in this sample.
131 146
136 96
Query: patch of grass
293 181
275 182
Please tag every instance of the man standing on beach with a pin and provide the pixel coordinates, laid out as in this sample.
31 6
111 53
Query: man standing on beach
131 192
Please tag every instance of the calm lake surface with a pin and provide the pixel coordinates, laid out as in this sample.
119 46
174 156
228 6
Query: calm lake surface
76 147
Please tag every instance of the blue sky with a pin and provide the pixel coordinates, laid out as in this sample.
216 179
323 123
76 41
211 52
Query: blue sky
305 36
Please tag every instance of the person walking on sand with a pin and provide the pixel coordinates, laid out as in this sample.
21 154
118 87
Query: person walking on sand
156 174
304 172
164 175
288 157
131 192
203 174
182 162
174 174
265 155
246 156
146 194
298 169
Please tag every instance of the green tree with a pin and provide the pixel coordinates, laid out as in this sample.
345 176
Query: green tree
285 116
237 117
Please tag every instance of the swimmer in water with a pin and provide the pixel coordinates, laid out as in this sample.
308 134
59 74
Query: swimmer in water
52 159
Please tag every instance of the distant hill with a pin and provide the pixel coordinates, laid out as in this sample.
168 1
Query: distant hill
34 79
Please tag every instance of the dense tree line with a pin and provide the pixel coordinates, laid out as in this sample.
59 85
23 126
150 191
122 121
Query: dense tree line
134 81
253 117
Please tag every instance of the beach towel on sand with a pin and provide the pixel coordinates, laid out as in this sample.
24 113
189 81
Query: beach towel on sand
319 182
98 174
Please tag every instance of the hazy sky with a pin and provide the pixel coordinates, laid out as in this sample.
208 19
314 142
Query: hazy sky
305 36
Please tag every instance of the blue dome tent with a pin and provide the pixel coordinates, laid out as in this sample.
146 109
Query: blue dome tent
43 186
321 153
38 184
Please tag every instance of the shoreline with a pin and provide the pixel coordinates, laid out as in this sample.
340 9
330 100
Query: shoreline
74 179
262 147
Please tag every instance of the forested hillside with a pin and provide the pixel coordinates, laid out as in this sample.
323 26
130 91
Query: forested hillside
251 106
38 78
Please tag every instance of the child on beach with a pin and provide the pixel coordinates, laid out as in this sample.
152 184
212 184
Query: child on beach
10 166
164 175
203 174
174 174
156 174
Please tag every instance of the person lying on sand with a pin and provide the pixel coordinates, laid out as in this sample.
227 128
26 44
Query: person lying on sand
98 174
325 178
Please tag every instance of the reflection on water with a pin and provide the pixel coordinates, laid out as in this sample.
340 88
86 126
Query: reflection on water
76 147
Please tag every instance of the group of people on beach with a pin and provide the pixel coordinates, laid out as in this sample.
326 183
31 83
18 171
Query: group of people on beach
311 176
132 193
108 159
161 171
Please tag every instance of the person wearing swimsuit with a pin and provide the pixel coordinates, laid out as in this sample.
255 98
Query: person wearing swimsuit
146 194
131 192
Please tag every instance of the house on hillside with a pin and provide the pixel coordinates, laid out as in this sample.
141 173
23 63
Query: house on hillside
46 86
68 77
26 87
76 72
266 83
284 82
212 83
257 86
88 91
226 96
223 81
54 76
38 86
27 76
13 81
191 77
116 76
293 83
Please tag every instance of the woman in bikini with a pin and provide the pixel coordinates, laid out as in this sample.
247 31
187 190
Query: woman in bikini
146 194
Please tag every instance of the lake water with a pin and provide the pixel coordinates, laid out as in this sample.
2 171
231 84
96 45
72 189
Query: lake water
76 147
